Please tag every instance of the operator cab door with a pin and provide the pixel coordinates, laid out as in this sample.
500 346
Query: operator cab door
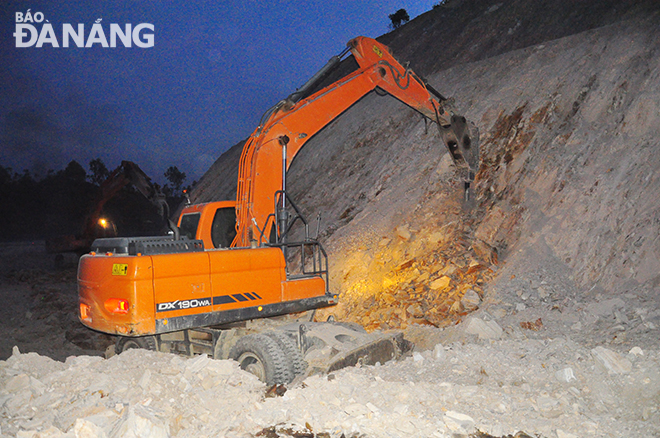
223 228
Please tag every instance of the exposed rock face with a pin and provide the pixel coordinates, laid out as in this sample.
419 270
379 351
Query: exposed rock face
568 129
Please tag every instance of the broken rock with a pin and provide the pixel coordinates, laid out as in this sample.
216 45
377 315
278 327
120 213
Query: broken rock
404 232
483 329
441 283
565 375
470 300
458 423
612 361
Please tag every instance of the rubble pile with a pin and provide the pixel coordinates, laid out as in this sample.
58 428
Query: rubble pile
545 387
428 277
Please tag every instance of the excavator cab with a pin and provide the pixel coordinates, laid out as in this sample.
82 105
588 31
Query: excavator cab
214 223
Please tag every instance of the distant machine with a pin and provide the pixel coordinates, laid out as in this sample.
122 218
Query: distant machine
97 226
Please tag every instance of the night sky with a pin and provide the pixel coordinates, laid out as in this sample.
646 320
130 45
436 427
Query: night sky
214 68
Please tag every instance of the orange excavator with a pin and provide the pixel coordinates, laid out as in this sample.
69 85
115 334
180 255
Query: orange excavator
231 282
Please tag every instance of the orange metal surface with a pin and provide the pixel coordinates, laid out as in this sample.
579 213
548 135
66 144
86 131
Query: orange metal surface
260 168
102 278
303 288
207 212
183 279
126 295
255 274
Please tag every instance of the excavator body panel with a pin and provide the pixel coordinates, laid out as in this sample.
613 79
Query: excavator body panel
140 295
116 294
140 286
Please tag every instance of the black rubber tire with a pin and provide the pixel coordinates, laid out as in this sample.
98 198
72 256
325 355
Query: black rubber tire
262 356
297 364
125 343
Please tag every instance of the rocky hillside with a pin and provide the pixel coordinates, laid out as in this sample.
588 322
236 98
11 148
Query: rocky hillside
565 95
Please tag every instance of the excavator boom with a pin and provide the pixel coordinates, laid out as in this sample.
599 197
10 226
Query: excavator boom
286 128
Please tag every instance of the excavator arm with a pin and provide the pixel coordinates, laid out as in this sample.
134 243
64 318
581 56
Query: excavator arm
286 128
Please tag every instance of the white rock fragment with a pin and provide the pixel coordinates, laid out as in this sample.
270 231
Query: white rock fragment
470 300
17 383
562 434
86 429
499 408
543 293
498 313
82 361
636 351
612 361
406 427
565 375
144 380
401 409
549 407
483 329
438 352
106 418
140 422
197 364
417 357
51 432
458 423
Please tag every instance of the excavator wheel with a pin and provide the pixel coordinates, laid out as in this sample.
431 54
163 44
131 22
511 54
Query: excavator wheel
125 343
297 364
262 356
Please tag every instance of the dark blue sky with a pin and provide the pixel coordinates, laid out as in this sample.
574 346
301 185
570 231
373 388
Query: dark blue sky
215 67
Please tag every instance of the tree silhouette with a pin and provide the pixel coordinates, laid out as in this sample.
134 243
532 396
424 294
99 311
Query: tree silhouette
99 172
176 179
398 18
75 172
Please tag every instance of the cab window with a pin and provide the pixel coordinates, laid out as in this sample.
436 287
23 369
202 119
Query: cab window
223 229
189 223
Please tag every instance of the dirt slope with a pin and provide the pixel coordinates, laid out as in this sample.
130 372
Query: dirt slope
464 31
460 32
568 131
